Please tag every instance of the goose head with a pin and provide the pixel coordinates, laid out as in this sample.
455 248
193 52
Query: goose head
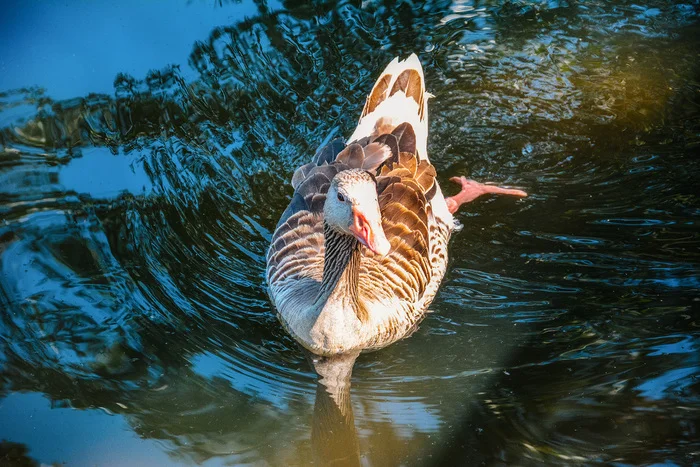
352 208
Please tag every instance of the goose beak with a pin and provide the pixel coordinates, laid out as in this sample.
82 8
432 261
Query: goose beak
370 234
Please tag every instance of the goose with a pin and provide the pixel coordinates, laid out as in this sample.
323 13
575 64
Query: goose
358 255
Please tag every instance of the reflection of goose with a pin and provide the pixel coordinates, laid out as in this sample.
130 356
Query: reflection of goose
333 435
359 254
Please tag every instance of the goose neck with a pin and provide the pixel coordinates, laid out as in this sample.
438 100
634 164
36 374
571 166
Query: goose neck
341 269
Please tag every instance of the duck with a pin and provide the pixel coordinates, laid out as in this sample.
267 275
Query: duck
359 253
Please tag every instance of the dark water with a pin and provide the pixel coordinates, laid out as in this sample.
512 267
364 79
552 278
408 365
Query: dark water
145 154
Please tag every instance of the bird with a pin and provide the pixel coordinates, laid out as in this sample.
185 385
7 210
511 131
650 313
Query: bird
359 253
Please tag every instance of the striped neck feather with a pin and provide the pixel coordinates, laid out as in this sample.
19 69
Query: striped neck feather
341 269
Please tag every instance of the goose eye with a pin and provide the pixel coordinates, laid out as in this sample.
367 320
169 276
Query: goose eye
341 198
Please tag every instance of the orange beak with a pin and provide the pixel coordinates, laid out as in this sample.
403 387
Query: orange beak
369 234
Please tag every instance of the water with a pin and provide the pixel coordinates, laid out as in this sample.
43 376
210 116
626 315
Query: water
137 201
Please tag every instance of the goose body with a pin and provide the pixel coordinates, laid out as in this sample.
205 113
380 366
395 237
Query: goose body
358 255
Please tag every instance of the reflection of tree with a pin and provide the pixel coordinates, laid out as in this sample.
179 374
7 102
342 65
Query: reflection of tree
15 455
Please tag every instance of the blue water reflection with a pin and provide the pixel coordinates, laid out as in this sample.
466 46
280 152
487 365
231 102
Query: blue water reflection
75 50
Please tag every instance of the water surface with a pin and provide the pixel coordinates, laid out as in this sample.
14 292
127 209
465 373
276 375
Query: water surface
134 218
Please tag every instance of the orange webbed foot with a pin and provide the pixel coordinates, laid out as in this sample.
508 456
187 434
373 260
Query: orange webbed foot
472 190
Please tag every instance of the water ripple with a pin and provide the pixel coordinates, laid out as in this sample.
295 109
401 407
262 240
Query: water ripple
134 227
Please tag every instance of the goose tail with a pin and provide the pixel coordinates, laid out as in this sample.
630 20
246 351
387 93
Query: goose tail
398 96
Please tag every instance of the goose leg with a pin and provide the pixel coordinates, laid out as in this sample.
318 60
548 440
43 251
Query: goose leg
472 190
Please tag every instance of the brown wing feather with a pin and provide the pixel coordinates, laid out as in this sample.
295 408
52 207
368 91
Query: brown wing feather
295 246
353 156
410 82
406 271
405 137
375 155
425 177
390 141
378 94
408 160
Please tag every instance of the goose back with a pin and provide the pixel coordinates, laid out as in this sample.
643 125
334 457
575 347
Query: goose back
389 143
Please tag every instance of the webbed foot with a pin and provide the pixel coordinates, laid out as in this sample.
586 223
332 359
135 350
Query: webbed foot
472 190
